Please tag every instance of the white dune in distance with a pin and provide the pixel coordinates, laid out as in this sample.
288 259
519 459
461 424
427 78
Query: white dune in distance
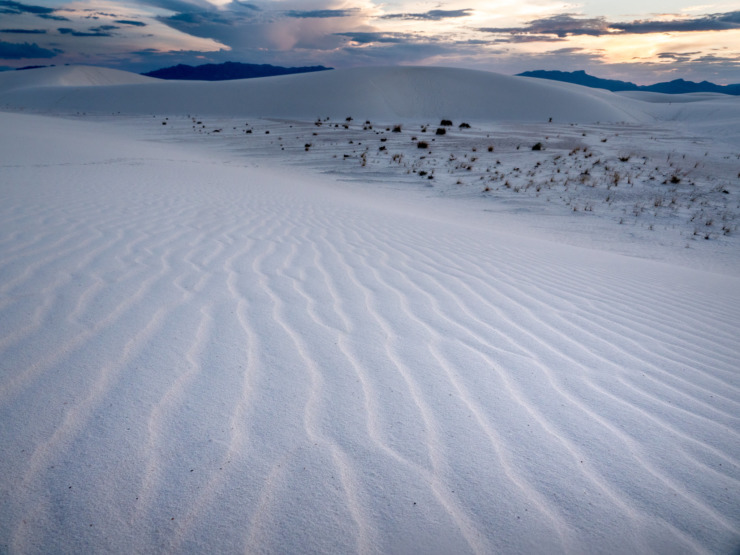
386 92
280 337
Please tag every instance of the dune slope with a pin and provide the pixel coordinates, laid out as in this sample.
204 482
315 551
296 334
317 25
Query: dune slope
198 355
68 76
402 93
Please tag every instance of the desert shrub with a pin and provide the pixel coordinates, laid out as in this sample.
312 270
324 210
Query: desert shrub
396 128
490 148
446 122
422 144
441 131
537 146
464 125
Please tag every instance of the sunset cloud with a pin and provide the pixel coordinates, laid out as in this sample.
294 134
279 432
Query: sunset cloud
508 36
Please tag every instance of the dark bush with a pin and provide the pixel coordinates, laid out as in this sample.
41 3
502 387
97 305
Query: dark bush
396 128
537 146
464 125
441 131
422 144
446 122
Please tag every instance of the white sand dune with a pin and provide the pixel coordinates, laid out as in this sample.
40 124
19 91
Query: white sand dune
665 98
69 76
711 115
200 352
390 92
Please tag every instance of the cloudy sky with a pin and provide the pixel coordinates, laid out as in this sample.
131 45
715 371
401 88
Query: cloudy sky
638 40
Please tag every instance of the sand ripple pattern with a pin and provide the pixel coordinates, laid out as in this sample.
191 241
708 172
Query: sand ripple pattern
204 358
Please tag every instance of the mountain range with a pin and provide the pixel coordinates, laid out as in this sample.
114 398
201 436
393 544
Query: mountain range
227 71
677 86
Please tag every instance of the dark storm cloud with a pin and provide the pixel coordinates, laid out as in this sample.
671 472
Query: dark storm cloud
180 6
559 25
566 25
432 15
321 13
24 31
713 22
677 56
517 39
248 6
714 59
368 38
130 22
96 32
183 20
52 17
10 7
18 51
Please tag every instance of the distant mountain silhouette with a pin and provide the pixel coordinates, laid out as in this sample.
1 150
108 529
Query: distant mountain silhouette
676 86
226 71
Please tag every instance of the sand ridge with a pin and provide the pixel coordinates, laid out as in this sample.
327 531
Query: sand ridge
203 350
